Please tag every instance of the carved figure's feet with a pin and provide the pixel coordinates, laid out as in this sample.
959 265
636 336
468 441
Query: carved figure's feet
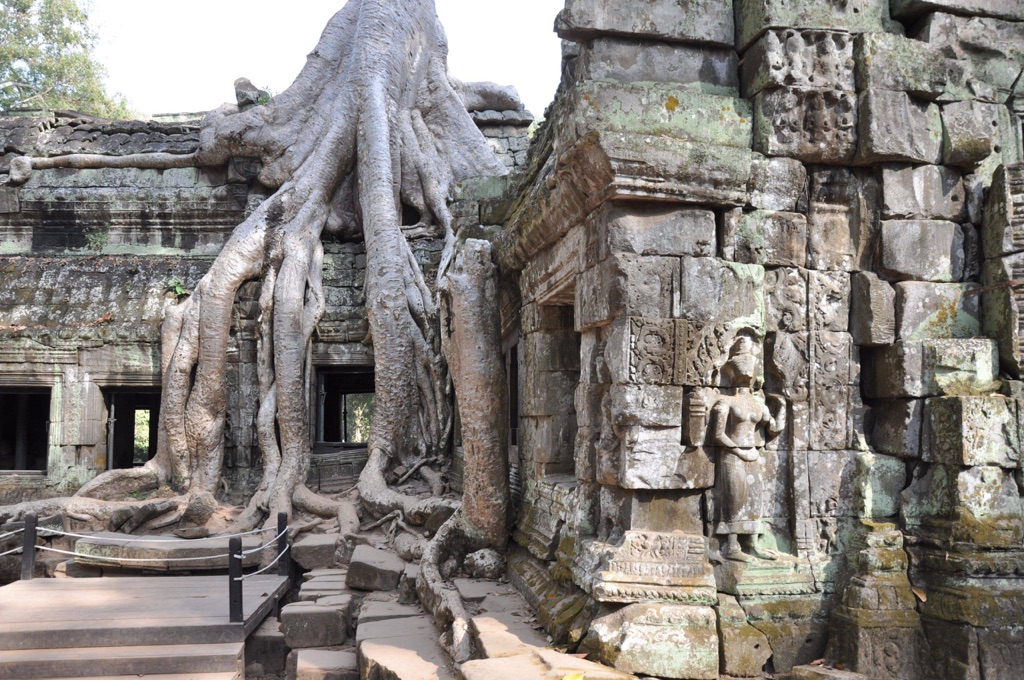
732 551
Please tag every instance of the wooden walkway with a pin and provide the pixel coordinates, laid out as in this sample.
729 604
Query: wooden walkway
48 627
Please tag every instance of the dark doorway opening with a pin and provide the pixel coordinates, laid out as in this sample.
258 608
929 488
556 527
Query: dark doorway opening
132 419
345 403
24 429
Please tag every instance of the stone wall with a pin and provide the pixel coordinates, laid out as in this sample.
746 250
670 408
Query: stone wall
768 326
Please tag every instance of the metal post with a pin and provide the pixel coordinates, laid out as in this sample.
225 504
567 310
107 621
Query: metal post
284 563
235 584
28 552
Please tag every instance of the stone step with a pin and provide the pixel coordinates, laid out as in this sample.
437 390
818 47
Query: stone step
75 633
402 649
83 662
164 676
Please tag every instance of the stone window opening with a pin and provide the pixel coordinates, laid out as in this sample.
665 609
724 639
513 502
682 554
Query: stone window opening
344 406
24 430
132 420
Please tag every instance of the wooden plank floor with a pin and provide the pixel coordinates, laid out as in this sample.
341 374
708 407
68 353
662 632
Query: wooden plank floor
111 611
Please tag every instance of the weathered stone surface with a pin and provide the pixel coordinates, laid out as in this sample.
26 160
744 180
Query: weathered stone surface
1002 232
828 301
872 310
923 192
320 664
668 641
371 611
777 184
498 638
1002 9
785 293
540 664
753 17
743 650
650 229
820 60
416 656
1004 309
935 311
485 563
671 564
896 127
931 368
265 648
766 237
814 126
968 133
307 624
629 60
824 673
896 427
891 62
315 551
627 285
977 505
923 250
971 431
373 569
716 292
703 21
842 483
842 220
657 109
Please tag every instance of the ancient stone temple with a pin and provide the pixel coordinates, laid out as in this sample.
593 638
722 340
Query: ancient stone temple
762 309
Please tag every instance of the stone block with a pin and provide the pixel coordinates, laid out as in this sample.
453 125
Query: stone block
923 250
814 126
777 184
842 220
373 569
715 292
371 611
700 21
785 294
743 649
627 285
896 127
896 427
969 129
937 311
766 237
931 368
663 640
824 673
788 365
1004 309
650 229
753 17
307 624
419 657
322 664
971 431
872 310
646 405
9 202
977 505
887 61
656 109
929 192
315 551
539 664
807 59
631 60
1001 9
1002 232
828 301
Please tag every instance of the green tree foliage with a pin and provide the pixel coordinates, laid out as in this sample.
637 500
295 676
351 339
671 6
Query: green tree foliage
46 59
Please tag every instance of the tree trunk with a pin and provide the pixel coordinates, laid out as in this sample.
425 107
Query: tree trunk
473 348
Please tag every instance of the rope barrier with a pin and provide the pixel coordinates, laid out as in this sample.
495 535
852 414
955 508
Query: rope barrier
134 560
149 539
11 552
10 533
266 545
257 573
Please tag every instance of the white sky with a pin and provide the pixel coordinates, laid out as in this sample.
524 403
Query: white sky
185 55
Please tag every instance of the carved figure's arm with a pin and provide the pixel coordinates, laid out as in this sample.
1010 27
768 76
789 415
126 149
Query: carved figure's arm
721 417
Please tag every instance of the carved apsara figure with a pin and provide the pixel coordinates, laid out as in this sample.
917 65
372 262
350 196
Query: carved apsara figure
738 422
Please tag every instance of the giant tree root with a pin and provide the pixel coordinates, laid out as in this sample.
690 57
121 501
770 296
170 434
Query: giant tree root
440 597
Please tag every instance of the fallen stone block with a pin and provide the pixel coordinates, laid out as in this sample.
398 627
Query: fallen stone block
373 569
386 629
541 664
500 635
266 648
411 657
321 664
307 624
372 611
315 551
